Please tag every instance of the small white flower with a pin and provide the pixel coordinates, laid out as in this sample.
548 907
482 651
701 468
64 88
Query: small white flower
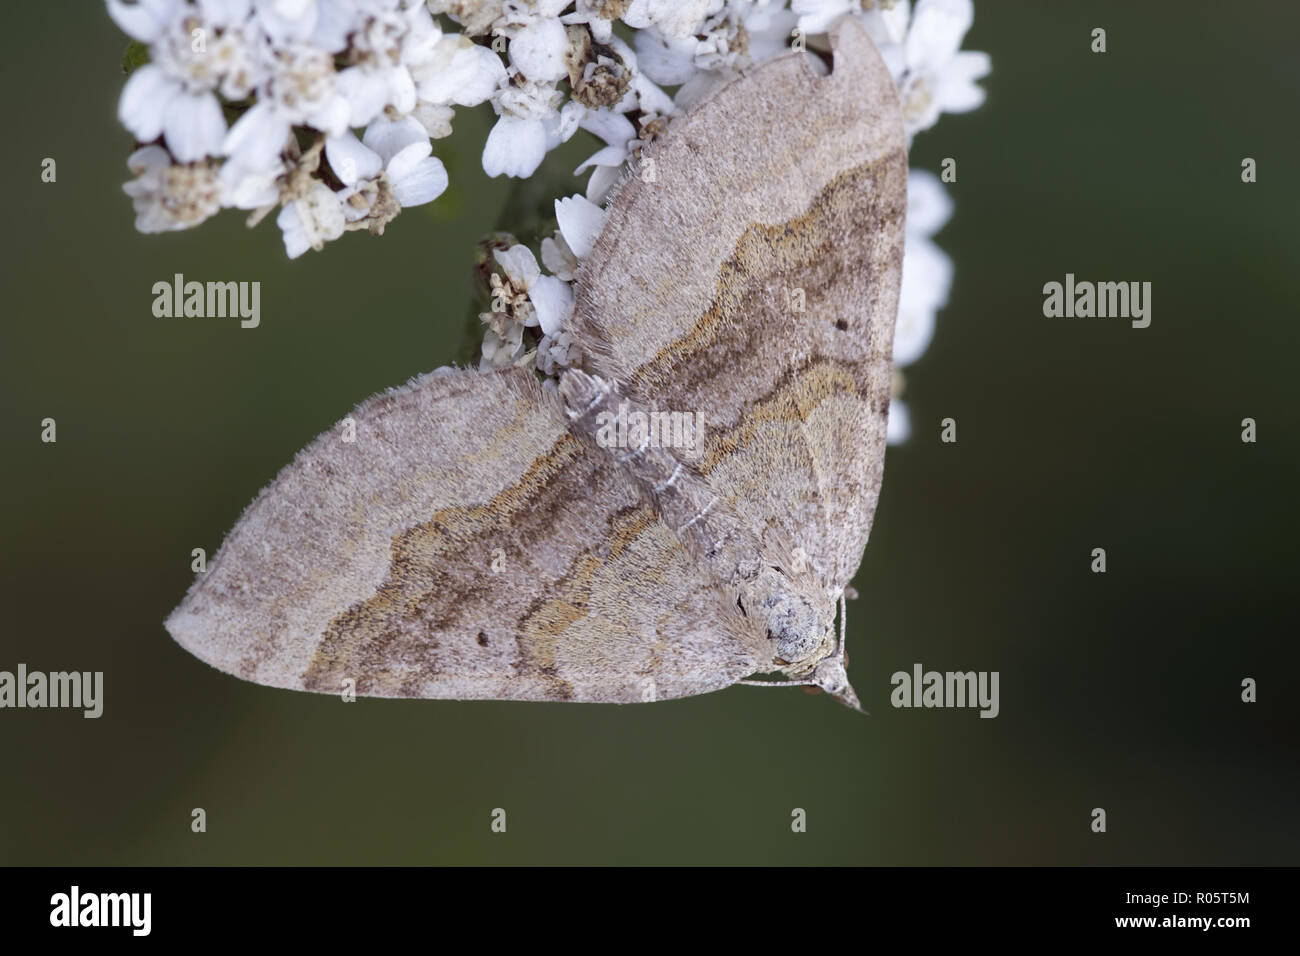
938 76
169 196
927 269
556 352
459 72
731 40
194 50
551 298
401 150
394 39
311 220
503 350
303 90
518 142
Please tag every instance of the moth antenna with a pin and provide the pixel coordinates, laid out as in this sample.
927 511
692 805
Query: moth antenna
846 696
844 625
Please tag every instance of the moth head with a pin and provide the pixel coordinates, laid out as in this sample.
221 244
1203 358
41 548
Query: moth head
803 632
806 645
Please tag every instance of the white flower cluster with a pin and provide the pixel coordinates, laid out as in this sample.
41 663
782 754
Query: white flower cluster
254 104
690 47
240 99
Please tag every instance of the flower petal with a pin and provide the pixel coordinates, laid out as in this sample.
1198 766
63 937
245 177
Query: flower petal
955 87
144 20
552 299
333 24
816 15
366 92
332 118
258 136
515 147
609 156
147 158
389 137
144 101
194 126
466 76
673 17
614 128
923 290
224 12
401 165
424 183
669 61
401 90
350 160
537 51
935 35
899 425
519 264
580 220
603 179
928 205
248 188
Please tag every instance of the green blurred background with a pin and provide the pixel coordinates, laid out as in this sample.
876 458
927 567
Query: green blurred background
1118 690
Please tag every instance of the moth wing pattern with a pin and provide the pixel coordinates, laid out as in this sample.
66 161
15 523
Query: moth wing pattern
755 279
465 545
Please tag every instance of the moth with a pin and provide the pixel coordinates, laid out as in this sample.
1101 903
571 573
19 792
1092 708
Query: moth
477 541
